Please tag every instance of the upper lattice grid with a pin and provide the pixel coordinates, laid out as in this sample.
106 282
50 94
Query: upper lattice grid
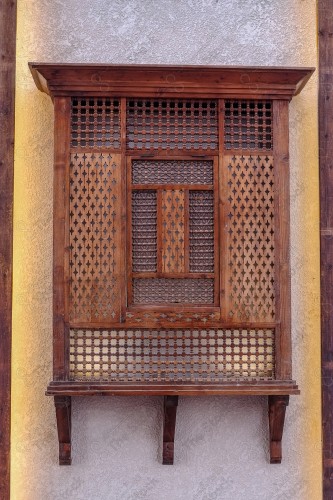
248 125
95 123
172 124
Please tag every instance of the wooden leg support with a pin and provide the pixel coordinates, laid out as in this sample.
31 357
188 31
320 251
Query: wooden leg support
169 427
277 410
63 406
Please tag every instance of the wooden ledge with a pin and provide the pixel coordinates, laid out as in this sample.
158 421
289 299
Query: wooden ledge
264 388
169 81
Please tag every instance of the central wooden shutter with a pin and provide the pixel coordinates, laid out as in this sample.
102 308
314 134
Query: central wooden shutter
173 223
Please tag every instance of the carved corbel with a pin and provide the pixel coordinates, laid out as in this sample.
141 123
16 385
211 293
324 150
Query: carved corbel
277 410
63 406
169 428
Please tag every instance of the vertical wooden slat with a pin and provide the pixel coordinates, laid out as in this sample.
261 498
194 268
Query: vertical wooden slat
129 240
223 216
7 113
123 275
159 231
283 369
186 230
67 223
60 205
325 26
173 250
217 284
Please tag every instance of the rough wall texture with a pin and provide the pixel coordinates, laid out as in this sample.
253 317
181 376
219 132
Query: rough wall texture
221 444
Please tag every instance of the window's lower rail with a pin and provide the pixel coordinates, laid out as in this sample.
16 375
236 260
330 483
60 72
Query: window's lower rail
226 388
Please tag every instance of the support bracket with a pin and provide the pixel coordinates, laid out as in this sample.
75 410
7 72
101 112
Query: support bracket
276 413
63 406
169 427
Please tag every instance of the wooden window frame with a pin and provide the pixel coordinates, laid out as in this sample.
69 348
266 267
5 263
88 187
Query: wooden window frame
278 85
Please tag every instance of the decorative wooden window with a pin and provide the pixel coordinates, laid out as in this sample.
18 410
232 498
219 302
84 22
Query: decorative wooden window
171 236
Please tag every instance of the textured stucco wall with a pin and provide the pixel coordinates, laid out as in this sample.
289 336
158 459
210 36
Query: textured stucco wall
221 444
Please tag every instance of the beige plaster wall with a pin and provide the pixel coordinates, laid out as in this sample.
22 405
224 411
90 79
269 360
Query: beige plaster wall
221 444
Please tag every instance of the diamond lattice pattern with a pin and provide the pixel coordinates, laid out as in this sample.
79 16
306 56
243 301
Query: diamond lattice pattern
251 237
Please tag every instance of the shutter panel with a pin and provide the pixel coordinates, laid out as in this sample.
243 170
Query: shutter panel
95 228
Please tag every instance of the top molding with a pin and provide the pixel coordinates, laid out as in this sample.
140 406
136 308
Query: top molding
169 81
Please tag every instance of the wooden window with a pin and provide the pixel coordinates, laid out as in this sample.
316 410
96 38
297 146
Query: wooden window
171 236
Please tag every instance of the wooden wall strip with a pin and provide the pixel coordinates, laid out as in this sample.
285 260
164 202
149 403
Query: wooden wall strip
325 26
7 113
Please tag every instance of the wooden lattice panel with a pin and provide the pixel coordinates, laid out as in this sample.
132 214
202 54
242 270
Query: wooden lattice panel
95 237
201 228
172 172
248 124
144 231
250 252
173 224
95 123
172 124
173 291
178 355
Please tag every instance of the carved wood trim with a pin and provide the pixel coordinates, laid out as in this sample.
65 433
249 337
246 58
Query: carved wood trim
172 81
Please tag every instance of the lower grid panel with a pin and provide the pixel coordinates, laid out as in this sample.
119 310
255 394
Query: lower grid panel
179 355
173 291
